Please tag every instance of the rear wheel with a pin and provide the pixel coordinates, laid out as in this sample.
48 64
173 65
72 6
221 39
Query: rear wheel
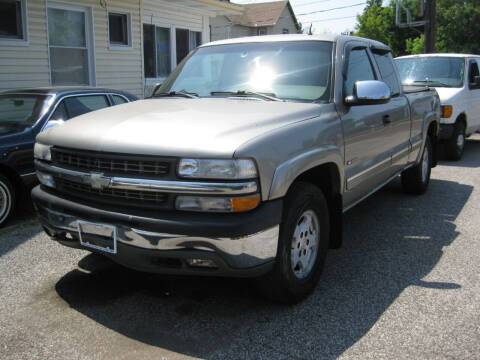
7 199
456 144
302 248
416 179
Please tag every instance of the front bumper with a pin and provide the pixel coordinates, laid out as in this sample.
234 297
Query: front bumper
239 244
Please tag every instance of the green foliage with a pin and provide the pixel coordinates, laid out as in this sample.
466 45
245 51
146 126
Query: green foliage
457 27
416 45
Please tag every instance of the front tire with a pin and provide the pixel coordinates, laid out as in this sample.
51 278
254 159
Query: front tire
455 146
416 179
7 199
302 248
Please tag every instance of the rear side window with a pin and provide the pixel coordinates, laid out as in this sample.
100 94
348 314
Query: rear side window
359 68
385 65
117 100
79 105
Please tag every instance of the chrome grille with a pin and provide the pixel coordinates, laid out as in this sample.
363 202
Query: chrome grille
110 163
134 197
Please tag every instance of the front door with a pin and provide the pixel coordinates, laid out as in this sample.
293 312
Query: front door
473 97
69 45
366 129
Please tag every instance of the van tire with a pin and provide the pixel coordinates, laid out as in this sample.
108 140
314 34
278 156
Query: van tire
455 146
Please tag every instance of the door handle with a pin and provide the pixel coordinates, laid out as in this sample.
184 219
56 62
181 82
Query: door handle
386 119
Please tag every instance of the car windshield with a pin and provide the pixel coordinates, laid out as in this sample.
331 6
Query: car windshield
18 111
434 71
293 70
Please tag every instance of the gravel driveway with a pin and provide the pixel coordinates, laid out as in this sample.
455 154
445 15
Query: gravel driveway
406 284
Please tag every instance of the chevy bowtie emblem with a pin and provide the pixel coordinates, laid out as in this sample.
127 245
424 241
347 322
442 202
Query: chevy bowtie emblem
98 181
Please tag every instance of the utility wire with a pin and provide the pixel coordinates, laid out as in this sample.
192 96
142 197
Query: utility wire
337 8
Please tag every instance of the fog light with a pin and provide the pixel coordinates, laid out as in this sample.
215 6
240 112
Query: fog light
46 179
217 204
204 263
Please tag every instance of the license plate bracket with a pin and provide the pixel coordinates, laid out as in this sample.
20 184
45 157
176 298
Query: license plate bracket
100 237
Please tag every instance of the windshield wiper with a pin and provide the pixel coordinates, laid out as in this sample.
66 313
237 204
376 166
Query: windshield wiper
431 82
268 96
177 93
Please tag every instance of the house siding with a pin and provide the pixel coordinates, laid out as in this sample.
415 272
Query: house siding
284 22
26 66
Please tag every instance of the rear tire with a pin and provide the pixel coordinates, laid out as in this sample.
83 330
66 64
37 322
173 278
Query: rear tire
7 199
455 146
302 247
416 179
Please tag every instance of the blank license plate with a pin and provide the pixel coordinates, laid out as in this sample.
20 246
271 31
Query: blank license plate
98 236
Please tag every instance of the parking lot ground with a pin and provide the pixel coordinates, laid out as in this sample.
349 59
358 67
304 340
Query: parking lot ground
404 285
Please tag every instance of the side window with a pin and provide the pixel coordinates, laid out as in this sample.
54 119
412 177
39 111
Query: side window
359 68
79 105
385 65
117 100
472 73
60 112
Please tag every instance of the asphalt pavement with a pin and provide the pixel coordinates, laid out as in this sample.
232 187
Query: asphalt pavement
404 285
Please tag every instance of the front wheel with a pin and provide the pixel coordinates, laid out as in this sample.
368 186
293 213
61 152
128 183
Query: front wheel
416 179
7 197
302 248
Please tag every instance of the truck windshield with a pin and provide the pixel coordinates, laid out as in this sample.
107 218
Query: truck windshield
434 71
293 70
18 111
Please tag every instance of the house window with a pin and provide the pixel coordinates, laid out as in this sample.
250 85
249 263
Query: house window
262 31
156 51
186 41
285 31
13 20
119 29
69 46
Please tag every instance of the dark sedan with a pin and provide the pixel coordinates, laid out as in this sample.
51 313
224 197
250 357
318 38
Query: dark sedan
26 112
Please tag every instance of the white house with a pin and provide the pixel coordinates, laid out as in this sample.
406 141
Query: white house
120 44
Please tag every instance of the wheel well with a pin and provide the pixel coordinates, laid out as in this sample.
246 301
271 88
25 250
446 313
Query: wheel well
11 175
432 133
327 178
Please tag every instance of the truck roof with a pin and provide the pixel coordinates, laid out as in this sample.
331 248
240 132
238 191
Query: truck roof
437 55
297 37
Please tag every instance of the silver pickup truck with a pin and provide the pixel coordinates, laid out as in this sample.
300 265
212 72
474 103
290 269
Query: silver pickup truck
242 162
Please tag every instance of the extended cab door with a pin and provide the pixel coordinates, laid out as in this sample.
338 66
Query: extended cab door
370 131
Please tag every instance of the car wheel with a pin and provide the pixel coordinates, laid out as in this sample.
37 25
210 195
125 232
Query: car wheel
416 179
302 247
456 144
7 199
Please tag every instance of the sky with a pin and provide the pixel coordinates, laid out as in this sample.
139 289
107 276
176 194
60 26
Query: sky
332 21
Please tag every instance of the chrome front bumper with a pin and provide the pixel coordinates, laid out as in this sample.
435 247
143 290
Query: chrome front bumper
238 253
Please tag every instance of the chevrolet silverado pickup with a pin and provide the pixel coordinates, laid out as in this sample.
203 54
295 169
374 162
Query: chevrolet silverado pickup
243 161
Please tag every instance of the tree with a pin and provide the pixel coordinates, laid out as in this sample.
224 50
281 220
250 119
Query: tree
378 23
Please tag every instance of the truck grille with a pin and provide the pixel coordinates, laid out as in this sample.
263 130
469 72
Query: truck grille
110 163
110 196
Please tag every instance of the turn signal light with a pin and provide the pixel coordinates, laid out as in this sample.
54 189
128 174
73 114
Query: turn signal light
447 111
245 203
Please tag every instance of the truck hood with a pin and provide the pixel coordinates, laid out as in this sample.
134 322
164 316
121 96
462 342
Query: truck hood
447 94
177 126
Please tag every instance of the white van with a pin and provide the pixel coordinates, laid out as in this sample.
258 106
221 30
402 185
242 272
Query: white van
456 78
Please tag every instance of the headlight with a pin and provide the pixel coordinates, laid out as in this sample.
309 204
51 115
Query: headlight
217 169
217 204
42 152
46 179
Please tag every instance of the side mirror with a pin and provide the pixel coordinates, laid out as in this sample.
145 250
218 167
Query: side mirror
476 82
369 92
52 123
